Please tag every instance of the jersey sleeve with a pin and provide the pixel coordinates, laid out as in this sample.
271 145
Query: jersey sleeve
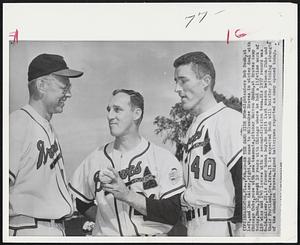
18 145
229 138
236 173
80 184
166 210
170 174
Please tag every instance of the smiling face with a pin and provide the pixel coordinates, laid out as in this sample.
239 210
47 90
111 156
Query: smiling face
57 91
121 115
190 88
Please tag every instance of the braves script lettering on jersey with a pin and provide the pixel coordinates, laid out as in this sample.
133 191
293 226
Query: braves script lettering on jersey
213 147
35 158
147 169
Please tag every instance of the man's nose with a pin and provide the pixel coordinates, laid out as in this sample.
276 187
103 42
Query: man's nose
178 88
110 114
68 93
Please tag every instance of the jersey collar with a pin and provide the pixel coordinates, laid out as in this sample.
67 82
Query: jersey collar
36 115
207 113
139 148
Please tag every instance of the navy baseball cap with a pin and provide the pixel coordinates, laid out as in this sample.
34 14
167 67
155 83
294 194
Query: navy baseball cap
45 64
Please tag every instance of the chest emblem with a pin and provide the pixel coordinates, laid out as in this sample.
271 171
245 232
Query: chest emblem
205 144
131 170
44 153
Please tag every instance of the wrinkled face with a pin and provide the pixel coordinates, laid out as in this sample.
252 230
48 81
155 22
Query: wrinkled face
190 88
58 90
120 115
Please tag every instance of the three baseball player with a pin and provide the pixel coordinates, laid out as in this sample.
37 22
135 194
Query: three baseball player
138 187
135 183
39 197
212 162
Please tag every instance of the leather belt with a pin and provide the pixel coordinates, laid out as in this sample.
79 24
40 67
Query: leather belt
191 214
58 221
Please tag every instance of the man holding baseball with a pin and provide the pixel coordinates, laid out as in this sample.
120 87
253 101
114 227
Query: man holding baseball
39 197
135 184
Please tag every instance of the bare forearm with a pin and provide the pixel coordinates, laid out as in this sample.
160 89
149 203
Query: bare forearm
137 201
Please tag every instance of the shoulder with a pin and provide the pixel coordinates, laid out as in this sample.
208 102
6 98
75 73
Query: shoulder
18 117
233 112
20 123
160 150
228 124
163 155
227 112
97 156
229 117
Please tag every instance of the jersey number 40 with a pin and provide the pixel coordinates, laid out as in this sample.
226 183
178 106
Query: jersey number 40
208 171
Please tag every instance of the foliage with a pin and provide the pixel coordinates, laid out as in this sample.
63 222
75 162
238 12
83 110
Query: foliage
174 127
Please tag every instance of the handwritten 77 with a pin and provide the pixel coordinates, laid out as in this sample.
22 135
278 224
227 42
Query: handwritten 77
200 16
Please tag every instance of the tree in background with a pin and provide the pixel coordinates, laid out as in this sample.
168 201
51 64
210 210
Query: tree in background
174 128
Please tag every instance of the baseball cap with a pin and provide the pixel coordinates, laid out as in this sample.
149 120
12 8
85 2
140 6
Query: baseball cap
44 64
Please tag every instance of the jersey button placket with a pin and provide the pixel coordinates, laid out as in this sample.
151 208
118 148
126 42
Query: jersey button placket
123 205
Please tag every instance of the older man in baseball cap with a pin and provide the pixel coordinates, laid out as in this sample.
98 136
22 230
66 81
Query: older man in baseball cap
39 198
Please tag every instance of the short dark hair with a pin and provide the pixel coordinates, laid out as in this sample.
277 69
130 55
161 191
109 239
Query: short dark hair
201 65
136 100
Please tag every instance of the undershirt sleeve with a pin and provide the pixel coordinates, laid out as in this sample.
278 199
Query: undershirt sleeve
236 172
83 206
165 211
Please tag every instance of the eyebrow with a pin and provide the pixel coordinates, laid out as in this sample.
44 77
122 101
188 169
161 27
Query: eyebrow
178 78
67 86
114 106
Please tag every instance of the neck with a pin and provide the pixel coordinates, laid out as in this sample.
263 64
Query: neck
205 104
40 108
127 142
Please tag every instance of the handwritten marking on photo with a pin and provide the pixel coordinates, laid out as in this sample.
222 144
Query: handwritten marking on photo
15 35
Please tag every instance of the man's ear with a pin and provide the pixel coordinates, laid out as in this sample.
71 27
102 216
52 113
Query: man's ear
206 81
41 85
137 113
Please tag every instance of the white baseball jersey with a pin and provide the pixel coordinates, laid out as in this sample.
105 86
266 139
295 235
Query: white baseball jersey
148 169
214 145
38 186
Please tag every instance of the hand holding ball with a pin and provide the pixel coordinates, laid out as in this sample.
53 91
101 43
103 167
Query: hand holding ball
106 176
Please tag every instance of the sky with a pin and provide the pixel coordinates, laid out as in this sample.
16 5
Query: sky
144 66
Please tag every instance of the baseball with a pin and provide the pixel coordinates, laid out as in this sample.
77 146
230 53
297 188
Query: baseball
104 178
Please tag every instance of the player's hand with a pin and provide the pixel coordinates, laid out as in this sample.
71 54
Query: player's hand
106 176
116 186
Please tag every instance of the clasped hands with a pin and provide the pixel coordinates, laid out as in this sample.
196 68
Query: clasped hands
112 183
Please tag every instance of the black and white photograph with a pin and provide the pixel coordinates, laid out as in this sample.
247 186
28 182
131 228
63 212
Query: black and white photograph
146 139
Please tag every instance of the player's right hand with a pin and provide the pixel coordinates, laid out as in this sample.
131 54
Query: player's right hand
106 176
